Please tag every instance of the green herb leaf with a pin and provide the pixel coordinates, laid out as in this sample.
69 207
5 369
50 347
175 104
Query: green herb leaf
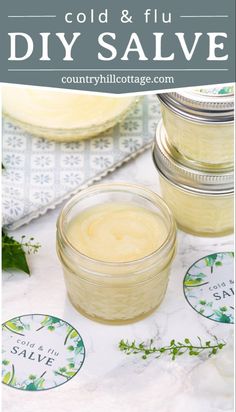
13 256
14 253
174 349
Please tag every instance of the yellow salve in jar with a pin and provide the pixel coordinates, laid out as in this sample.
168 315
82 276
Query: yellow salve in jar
117 232
202 214
200 124
116 244
62 115
201 201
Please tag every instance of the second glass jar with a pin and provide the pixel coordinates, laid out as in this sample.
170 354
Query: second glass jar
200 124
201 201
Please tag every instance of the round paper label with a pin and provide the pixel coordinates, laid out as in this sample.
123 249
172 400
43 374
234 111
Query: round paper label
218 90
209 287
40 352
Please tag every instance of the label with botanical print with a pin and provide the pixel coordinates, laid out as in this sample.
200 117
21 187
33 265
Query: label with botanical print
209 287
40 352
217 90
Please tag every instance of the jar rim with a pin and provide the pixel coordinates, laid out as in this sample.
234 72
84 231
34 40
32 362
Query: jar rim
205 105
119 187
193 191
184 175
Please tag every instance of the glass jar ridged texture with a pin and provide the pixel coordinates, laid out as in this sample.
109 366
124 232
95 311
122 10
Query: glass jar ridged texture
116 292
203 143
201 201
201 214
200 124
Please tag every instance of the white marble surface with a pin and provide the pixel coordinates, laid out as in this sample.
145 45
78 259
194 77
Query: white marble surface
109 381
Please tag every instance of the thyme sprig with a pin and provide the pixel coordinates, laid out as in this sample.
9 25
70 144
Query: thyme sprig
29 245
174 349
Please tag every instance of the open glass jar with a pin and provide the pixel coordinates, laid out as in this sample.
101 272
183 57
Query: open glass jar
116 292
199 124
201 201
60 115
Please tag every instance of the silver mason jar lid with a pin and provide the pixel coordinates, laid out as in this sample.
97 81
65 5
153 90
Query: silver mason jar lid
207 104
169 164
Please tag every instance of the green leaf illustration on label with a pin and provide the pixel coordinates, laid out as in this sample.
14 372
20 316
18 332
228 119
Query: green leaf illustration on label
209 287
40 352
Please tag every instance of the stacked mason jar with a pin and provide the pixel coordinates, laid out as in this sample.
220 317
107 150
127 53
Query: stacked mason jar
194 155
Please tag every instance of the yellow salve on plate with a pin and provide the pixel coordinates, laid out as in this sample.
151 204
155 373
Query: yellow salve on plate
62 115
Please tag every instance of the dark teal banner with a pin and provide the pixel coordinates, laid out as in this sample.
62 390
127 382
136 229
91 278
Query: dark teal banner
118 46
